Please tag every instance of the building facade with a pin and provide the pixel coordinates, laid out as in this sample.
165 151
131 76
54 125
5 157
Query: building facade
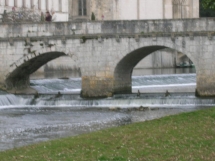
59 6
109 9
133 9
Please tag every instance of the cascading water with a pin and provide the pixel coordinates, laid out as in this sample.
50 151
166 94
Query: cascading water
65 92
8 100
161 83
58 111
48 86
147 84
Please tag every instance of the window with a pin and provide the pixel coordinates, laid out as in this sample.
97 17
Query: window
82 8
181 8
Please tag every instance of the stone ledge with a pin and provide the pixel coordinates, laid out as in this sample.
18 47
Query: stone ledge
209 34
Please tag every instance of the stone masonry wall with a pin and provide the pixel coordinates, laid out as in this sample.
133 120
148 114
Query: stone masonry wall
107 51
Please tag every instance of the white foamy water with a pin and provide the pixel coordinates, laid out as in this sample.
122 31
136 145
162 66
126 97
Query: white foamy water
159 82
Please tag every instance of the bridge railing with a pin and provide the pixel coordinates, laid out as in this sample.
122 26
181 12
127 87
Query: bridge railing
16 30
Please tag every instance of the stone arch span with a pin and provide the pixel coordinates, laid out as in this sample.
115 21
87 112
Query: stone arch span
19 77
124 68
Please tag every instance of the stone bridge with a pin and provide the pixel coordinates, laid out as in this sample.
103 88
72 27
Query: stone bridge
106 51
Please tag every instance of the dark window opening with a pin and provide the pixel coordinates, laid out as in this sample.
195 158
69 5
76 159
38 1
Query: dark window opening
82 8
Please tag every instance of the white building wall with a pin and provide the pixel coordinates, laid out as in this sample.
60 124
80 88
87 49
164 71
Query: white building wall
65 5
55 5
19 3
127 9
151 9
195 8
138 9
11 2
2 2
27 3
43 5
35 3
168 9
49 5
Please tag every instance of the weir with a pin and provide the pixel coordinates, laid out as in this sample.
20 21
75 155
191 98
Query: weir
58 92
105 51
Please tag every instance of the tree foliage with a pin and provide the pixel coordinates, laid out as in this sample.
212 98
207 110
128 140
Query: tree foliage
207 10
93 17
208 4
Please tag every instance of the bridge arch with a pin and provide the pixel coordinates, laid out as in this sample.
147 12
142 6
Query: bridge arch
124 68
18 78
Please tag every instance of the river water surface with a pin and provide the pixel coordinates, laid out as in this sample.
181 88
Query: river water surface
27 119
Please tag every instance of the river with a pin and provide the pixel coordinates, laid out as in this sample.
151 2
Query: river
28 119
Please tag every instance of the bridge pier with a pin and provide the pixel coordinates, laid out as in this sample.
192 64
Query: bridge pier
17 83
122 88
96 87
104 86
205 85
123 84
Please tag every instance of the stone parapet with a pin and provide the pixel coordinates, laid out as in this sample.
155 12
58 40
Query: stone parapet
107 27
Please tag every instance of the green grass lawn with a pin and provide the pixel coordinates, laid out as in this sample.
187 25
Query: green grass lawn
183 137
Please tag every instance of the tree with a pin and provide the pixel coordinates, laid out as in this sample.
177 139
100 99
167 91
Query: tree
207 10
93 17
208 4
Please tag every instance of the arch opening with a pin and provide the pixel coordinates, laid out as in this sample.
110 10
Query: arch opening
125 68
19 78
63 67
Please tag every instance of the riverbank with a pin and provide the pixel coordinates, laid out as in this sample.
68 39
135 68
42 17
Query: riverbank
187 136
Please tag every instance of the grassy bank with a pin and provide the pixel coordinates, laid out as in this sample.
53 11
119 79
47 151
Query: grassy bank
187 136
